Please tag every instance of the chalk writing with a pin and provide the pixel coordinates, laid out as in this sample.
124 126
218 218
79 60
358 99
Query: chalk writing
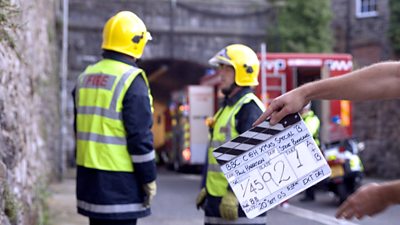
275 170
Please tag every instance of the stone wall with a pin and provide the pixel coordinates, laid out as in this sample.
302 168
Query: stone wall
375 122
364 38
187 30
29 93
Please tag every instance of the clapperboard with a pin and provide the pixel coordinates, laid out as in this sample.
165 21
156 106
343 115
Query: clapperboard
267 165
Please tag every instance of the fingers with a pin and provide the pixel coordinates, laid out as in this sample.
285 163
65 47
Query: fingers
283 105
146 202
349 209
340 213
344 210
276 111
225 215
199 205
348 214
264 116
229 214
277 116
275 106
232 215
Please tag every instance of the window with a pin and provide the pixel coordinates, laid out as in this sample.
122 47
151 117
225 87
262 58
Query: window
366 8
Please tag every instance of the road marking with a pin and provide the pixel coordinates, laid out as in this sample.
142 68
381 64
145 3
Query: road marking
311 215
191 177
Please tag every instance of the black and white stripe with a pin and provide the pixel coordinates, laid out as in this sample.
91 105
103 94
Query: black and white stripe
252 138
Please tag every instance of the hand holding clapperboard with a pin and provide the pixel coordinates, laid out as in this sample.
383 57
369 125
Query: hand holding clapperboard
267 165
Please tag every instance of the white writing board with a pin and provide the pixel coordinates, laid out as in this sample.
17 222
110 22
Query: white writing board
267 165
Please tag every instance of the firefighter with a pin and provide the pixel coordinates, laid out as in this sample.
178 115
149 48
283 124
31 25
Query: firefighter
238 67
116 169
313 125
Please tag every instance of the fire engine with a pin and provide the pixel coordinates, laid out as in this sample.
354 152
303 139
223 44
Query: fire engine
279 73
187 132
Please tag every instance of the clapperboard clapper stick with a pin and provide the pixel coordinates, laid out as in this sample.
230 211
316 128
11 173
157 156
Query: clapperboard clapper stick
267 165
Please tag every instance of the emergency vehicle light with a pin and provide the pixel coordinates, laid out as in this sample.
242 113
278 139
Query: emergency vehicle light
186 154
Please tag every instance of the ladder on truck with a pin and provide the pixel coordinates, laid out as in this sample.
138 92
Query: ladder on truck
272 84
275 86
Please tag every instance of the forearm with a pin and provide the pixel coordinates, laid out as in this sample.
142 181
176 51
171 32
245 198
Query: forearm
379 81
391 192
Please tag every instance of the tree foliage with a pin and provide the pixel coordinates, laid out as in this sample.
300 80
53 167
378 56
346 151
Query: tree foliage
394 25
302 26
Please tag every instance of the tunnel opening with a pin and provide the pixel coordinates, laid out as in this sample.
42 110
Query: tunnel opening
167 76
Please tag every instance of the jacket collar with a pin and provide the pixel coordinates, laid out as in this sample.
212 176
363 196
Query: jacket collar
232 100
107 54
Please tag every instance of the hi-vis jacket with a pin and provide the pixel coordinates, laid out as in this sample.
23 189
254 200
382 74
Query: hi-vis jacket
225 130
313 124
115 156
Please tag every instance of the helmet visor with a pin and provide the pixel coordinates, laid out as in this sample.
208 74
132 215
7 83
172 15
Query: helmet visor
217 60
148 36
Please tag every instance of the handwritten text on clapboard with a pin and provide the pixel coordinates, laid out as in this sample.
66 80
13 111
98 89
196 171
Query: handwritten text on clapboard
276 170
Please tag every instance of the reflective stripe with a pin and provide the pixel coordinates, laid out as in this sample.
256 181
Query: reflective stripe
144 158
240 220
117 208
214 168
231 119
238 106
355 163
120 86
228 131
228 135
101 138
94 110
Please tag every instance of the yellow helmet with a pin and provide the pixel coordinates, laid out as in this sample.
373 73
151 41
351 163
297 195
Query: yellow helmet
243 59
125 33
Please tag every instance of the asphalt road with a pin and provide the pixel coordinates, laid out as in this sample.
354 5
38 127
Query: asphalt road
175 205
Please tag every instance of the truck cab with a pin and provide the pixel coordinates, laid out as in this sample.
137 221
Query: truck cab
282 72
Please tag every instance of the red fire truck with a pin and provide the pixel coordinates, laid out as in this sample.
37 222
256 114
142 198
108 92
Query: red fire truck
285 71
280 72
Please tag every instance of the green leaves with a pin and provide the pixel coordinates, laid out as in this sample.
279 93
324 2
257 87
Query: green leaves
302 26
